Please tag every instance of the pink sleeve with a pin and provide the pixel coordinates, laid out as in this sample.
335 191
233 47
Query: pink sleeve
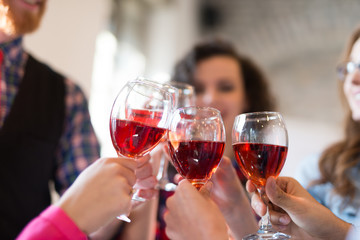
52 223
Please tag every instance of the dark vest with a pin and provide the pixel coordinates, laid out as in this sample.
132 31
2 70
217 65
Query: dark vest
28 140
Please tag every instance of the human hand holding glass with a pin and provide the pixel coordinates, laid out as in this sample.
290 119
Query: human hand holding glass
260 143
196 140
139 119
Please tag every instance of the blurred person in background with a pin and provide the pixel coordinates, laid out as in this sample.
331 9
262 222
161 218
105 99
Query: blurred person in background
234 84
333 178
45 129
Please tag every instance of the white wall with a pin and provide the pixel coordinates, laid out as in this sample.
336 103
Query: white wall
66 38
306 138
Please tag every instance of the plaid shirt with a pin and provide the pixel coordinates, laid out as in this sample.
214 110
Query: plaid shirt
78 145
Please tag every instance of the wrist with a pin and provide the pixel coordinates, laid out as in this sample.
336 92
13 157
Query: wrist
343 230
70 208
243 216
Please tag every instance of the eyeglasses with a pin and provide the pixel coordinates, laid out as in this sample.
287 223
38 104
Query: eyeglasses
345 68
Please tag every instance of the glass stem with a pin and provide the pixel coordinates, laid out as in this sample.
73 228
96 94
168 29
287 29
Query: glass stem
265 224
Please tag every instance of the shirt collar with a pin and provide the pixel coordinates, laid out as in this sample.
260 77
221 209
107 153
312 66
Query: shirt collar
13 52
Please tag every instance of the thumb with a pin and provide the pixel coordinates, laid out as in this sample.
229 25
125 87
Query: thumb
206 189
277 196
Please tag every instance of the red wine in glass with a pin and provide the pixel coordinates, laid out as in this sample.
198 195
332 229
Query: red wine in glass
138 134
260 144
135 139
196 160
259 161
139 119
196 140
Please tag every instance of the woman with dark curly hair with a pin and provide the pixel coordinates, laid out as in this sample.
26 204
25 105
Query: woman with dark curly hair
334 178
226 80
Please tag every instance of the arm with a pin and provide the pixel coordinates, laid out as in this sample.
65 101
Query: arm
232 200
99 194
296 212
144 216
193 215
145 180
52 223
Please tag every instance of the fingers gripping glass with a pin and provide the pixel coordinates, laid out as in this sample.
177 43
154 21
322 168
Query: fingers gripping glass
260 144
139 119
346 68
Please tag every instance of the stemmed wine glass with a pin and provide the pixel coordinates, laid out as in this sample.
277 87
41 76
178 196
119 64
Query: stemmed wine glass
185 97
196 140
260 143
139 119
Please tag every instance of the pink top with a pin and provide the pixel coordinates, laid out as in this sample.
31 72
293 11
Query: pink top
52 223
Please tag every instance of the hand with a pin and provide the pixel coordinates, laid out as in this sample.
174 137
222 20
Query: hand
296 212
231 198
193 215
146 180
100 193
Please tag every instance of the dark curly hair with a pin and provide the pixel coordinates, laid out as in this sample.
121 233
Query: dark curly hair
257 90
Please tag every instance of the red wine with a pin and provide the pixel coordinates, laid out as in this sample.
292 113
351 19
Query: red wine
134 139
196 160
259 161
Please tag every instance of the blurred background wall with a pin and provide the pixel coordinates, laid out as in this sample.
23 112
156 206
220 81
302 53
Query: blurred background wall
102 44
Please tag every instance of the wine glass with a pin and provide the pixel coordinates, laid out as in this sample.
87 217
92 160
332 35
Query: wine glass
185 97
260 143
196 140
139 119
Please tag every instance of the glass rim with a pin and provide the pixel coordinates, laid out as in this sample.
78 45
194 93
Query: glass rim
260 114
208 109
150 83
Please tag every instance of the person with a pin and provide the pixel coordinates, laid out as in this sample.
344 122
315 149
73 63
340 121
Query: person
333 178
337 168
295 211
100 193
232 83
45 128
226 80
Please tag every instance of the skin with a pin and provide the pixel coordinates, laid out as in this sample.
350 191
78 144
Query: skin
296 212
186 220
18 17
104 190
232 200
219 84
100 193
352 83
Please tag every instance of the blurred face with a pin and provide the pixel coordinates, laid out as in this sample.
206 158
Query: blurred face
352 83
18 17
219 84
